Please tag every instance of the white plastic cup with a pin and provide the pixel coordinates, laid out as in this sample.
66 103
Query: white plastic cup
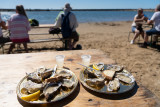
60 61
86 59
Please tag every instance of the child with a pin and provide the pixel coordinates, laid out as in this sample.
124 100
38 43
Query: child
136 26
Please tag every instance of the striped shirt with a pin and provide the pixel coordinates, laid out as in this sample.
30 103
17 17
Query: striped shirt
19 27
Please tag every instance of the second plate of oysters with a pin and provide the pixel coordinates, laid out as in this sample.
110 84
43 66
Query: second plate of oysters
107 79
46 85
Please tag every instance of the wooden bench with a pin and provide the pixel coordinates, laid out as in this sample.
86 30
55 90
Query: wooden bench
37 41
64 41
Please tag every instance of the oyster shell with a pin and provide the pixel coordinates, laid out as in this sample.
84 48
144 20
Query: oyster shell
116 68
51 90
44 73
95 81
34 77
113 85
65 74
40 74
126 78
93 73
60 76
31 87
100 65
67 84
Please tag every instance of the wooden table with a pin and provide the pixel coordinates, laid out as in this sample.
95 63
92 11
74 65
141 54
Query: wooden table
13 68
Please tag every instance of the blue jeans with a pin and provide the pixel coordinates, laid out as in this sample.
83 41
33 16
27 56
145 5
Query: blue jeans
152 31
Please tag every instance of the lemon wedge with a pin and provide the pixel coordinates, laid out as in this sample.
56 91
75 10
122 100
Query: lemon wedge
32 97
95 67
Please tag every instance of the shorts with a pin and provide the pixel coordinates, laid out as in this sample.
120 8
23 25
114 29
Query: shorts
74 36
134 29
152 31
4 39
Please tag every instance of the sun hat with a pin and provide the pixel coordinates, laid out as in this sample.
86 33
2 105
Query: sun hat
68 7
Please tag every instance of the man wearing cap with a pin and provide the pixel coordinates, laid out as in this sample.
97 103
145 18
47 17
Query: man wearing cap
156 30
72 22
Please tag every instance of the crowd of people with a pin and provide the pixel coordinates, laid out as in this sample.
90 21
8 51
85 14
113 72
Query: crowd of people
18 25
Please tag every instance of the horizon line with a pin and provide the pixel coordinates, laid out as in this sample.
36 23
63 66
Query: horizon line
149 9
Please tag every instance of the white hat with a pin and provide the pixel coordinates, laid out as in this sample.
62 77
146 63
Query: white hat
67 6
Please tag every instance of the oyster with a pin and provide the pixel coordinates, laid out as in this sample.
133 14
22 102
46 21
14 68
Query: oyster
93 73
34 77
113 85
44 73
67 84
31 87
116 68
40 74
60 76
65 74
100 66
51 90
126 78
95 82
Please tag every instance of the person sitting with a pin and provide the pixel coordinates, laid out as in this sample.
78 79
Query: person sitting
19 26
3 26
137 26
68 24
156 29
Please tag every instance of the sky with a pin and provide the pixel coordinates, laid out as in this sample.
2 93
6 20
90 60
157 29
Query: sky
80 4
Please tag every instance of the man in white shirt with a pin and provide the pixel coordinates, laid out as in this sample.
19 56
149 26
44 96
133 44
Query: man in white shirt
155 19
72 22
2 25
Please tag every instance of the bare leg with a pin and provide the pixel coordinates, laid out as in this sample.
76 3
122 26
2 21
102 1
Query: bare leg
142 34
69 44
25 47
11 47
136 34
145 37
73 44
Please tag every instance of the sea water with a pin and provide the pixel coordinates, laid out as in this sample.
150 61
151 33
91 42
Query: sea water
48 17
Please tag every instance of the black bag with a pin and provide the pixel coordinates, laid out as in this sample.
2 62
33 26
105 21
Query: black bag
34 22
54 30
65 26
79 47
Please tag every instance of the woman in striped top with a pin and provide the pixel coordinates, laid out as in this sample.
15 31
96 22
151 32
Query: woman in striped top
19 26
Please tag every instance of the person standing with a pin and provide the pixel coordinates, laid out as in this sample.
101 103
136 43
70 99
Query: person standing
68 24
19 26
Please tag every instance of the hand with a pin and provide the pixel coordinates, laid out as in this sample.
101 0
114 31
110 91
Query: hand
143 18
3 22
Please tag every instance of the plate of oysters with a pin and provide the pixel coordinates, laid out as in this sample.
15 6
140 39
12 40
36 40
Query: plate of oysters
107 79
46 85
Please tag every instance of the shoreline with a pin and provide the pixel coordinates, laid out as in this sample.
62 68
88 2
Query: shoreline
79 10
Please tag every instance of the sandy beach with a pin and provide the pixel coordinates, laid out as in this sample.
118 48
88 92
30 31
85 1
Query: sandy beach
112 39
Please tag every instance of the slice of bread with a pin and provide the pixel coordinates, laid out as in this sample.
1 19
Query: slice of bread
109 74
